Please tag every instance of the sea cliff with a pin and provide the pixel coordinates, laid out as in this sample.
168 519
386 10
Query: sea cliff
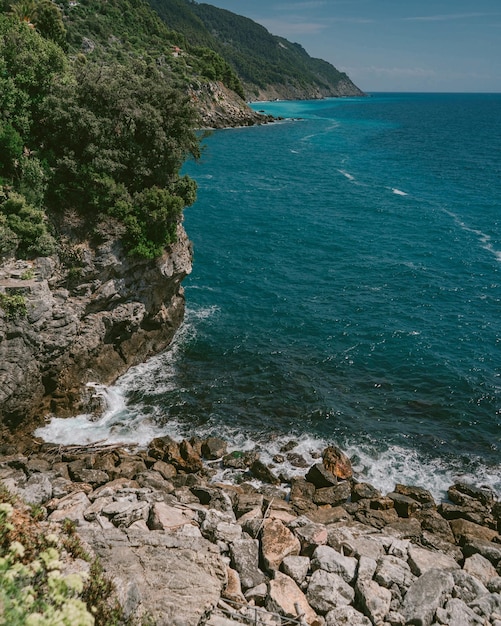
84 315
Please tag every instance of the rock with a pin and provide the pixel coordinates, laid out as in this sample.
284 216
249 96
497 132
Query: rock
423 496
392 570
70 507
296 567
257 594
320 476
165 517
285 597
177 579
364 491
262 472
465 531
296 460
346 616
377 519
327 591
216 499
93 477
457 613
245 559
38 489
329 560
311 536
466 587
277 542
133 512
366 568
487 605
479 567
337 463
484 495
182 456
328 515
425 596
421 561
166 470
433 522
214 448
301 489
239 460
233 589
404 506
374 600
333 495
249 502
488 549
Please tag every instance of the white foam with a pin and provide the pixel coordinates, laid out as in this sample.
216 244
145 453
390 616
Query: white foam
346 175
399 192
484 239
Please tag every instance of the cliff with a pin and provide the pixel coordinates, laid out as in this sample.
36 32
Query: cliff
85 315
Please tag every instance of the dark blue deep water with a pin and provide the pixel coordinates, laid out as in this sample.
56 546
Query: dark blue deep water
346 288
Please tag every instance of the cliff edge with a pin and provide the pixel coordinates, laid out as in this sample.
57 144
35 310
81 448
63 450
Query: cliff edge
85 315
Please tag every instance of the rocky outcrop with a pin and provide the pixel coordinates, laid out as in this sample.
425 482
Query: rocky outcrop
86 315
182 550
219 107
344 88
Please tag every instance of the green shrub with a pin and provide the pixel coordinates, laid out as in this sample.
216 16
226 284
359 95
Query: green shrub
13 305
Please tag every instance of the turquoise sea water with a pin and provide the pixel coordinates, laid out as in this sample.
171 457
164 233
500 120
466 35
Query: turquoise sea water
346 289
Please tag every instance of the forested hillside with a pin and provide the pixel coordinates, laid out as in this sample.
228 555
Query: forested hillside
262 61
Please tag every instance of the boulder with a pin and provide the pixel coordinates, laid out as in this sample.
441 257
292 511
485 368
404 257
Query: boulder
346 616
404 505
488 549
166 470
233 588
165 517
421 495
421 560
70 507
465 531
296 567
327 591
425 595
285 597
466 587
320 476
392 570
457 613
329 560
262 472
336 462
311 536
277 542
479 567
245 560
364 491
374 600
333 496
37 490
214 448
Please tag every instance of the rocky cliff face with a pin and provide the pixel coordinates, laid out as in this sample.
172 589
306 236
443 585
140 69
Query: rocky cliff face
85 315
345 88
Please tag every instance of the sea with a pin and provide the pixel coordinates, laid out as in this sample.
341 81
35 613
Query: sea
346 290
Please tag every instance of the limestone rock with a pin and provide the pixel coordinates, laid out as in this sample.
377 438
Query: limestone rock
457 613
245 559
311 536
284 596
467 587
428 593
38 489
333 495
392 570
374 599
165 517
326 591
320 476
296 567
421 560
346 616
479 567
277 542
71 507
329 560
214 448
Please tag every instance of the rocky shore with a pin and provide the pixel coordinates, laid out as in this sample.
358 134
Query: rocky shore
323 549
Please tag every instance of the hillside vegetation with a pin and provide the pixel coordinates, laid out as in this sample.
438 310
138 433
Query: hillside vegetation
262 61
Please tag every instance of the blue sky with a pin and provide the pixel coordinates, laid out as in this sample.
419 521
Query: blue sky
392 45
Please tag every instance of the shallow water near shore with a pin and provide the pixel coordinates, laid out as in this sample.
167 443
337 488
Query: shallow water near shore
346 289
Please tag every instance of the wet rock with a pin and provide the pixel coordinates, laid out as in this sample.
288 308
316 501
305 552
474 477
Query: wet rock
320 476
364 491
297 460
336 462
326 591
239 460
214 448
277 542
333 495
262 472
428 593
423 496
484 495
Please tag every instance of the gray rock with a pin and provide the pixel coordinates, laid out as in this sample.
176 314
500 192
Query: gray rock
296 567
285 597
480 568
374 600
245 559
393 571
311 535
488 549
466 587
71 507
38 489
487 605
457 613
428 593
320 476
327 591
366 568
177 579
329 560
421 560
334 495
346 616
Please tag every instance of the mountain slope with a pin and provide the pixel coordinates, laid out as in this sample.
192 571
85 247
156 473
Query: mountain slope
268 66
